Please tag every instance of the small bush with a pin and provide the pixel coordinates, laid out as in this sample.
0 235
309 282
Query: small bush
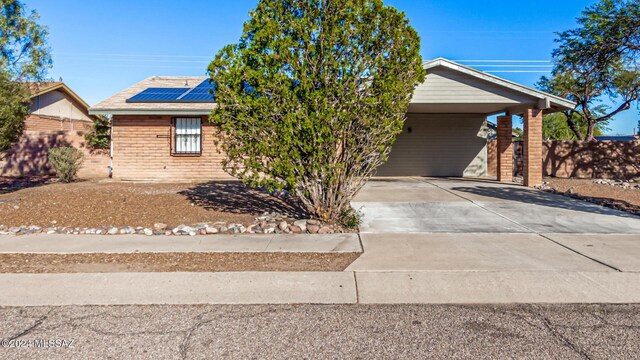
351 218
66 161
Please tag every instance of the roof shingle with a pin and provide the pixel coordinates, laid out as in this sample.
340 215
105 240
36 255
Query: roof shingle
118 102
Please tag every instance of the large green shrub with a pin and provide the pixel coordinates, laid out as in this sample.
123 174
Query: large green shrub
66 161
99 137
14 107
313 96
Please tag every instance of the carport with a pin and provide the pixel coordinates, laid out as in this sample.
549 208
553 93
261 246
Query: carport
445 131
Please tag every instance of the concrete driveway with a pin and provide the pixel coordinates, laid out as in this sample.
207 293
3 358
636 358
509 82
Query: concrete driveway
452 238
437 205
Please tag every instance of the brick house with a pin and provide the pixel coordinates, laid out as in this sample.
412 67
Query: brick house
160 131
58 117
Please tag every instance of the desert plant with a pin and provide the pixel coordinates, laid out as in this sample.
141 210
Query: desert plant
351 218
66 161
313 96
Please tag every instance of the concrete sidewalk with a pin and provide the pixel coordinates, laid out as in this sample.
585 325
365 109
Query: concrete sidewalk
397 287
469 287
436 268
394 268
177 288
468 252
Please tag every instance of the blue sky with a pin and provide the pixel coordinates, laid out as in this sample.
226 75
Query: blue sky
102 47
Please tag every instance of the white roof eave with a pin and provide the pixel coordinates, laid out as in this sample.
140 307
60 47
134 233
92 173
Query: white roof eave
98 111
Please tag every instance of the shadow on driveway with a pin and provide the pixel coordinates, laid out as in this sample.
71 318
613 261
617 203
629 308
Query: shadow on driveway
540 198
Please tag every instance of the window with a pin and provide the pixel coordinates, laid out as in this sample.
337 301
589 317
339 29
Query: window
188 136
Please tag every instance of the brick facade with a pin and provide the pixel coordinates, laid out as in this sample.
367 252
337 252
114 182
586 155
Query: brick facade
142 150
532 174
504 170
492 158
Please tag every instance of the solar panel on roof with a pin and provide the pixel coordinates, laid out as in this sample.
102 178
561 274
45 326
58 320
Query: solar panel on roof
158 95
201 93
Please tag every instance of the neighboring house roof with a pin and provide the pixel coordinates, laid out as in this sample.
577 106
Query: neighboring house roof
118 105
40 88
500 95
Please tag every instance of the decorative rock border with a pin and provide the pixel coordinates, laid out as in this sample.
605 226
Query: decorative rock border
268 223
609 203
625 184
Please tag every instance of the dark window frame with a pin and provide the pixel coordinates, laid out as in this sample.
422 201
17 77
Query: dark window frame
174 137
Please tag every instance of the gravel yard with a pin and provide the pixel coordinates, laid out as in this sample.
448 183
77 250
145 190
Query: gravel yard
95 203
169 262
626 199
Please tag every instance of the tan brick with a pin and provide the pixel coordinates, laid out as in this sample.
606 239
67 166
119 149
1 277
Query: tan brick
504 149
532 154
139 153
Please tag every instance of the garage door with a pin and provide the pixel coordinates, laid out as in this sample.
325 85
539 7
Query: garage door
438 145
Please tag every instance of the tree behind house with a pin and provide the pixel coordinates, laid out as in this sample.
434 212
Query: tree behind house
554 127
313 96
598 60
24 56
14 107
99 137
23 42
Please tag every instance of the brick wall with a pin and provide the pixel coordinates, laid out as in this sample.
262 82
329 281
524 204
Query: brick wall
492 158
142 150
28 157
504 149
582 159
43 123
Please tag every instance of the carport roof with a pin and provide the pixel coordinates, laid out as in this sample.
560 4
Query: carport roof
454 88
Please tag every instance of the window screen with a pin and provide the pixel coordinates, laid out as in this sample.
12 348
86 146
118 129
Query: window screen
188 136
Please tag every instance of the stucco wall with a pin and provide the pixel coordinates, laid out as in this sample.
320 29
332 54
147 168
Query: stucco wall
439 145
582 159
58 104
601 159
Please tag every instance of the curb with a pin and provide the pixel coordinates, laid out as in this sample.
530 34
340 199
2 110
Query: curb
186 288
347 287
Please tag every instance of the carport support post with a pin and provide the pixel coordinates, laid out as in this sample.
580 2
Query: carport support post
532 171
505 149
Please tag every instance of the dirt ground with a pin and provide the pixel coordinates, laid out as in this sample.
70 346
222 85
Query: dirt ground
623 199
169 262
95 203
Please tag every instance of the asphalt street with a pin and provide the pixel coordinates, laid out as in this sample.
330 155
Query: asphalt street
322 331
